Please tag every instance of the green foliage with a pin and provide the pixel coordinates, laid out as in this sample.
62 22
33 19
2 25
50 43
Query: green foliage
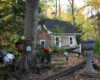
58 30
43 5
12 49
97 47
59 60
56 60
6 74
17 39
41 21
12 45
42 30
69 8
39 46
39 49
12 13
58 18
57 48
79 27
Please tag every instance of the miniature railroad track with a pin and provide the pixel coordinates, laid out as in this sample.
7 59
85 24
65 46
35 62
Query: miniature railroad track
66 71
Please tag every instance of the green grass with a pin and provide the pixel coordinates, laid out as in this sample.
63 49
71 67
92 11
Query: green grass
59 60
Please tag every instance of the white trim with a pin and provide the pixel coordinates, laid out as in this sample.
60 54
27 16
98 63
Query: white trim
39 27
49 32
45 27
72 33
72 40
41 42
59 39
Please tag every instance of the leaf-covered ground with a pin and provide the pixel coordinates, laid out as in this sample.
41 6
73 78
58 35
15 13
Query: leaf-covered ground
76 75
72 76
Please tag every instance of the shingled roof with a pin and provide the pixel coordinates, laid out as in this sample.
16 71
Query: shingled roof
49 23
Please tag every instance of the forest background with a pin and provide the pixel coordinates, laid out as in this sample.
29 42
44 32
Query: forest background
12 14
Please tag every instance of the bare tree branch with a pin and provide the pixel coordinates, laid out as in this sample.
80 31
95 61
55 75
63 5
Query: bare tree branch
83 7
70 2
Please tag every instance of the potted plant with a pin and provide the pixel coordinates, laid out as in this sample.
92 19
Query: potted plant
48 52
18 41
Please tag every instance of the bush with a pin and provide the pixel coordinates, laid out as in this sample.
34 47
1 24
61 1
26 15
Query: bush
58 49
97 47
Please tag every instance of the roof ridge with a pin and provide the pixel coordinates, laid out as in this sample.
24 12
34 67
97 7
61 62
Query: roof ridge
56 20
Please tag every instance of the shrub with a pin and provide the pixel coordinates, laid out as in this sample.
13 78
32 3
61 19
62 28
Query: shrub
58 49
97 47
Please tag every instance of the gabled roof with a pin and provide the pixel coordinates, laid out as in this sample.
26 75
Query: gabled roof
49 23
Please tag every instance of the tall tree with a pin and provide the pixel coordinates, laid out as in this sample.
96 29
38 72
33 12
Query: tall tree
59 9
95 6
31 22
72 6
73 9
56 1
12 15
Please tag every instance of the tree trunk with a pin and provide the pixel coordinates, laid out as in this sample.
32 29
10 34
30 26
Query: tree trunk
56 9
59 9
73 12
30 31
31 22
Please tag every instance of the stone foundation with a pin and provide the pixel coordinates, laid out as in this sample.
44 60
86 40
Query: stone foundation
57 54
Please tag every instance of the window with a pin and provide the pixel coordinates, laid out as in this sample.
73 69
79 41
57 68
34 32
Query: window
42 42
71 41
57 41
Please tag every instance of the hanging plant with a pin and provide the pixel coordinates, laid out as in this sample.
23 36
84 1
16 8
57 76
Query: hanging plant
18 41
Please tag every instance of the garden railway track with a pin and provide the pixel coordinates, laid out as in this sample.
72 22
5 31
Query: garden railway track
66 71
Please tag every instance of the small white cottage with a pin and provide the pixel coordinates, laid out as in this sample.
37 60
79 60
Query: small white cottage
46 38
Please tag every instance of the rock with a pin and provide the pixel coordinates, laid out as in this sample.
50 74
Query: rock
96 66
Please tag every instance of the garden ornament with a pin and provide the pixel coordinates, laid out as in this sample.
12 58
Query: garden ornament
88 45
28 48
66 54
7 57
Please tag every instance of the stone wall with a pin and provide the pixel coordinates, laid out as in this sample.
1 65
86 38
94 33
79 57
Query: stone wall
57 54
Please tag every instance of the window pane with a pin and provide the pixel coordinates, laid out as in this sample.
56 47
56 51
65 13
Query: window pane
71 42
42 42
57 41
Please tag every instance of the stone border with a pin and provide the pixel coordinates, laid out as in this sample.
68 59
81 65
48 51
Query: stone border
66 71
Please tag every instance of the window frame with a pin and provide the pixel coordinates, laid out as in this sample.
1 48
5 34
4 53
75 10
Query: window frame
56 41
70 41
41 42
